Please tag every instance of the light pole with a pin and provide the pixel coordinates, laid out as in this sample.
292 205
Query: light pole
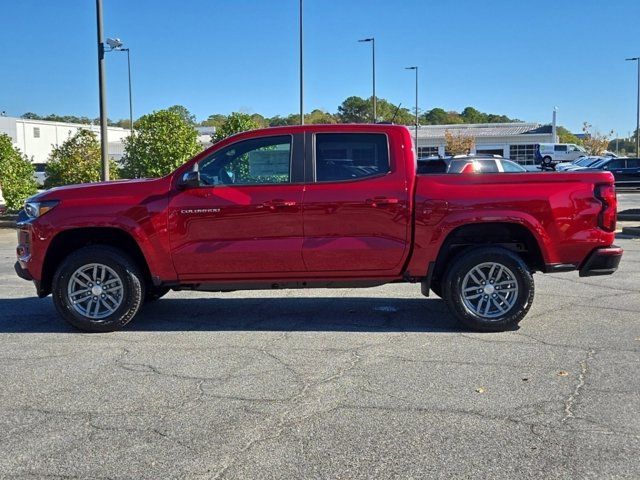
102 84
637 60
373 55
301 71
416 69
116 45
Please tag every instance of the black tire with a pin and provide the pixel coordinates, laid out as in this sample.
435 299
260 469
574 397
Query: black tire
130 295
155 293
547 161
516 277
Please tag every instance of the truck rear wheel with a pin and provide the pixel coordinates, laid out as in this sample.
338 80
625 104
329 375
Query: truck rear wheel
489 289
98 289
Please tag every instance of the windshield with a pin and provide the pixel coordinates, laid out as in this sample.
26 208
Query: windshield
598 163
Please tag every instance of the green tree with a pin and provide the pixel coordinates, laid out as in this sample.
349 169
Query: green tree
31 116
77 160
235 123
319 117
355 110
163 141
186 115
435 116
214 120
565 136
471 115
16 174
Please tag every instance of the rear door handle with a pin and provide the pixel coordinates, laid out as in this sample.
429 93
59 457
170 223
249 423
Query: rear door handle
381 201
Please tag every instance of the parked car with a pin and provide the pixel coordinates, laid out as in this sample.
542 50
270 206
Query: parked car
626 171
550 153
582 162
3 204
315 206
468 164
40 174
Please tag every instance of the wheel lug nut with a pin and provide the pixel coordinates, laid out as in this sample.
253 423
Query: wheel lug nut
486 296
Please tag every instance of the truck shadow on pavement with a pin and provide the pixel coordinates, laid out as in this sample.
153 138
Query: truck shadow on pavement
322 314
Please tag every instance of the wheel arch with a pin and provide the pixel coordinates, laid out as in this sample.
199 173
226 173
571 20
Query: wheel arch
68 241
513 236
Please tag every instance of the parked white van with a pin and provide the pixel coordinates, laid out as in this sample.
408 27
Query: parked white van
548 153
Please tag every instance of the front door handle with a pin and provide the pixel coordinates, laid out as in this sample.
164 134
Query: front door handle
279 203
381 201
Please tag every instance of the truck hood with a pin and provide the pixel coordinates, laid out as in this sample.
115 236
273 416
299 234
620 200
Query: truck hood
111 188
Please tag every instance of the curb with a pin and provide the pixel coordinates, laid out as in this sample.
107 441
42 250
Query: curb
629 217
631 231
8 221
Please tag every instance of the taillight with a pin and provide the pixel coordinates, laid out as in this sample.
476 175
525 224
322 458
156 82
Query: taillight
606 193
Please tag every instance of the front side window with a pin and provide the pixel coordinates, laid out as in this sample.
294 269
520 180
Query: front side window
264 160
350 156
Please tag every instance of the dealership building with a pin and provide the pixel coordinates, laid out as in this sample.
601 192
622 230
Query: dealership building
37 138
516 141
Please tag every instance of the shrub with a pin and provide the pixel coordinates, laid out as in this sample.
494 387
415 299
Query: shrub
162 141
77 160
16 174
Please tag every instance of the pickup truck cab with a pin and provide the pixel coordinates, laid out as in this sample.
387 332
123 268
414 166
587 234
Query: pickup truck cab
315 206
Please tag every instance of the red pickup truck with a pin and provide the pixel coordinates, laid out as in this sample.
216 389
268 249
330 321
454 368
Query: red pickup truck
315 206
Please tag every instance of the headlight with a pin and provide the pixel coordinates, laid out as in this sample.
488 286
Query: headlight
37 209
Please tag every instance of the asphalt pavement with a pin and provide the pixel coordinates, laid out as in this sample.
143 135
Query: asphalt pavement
373 383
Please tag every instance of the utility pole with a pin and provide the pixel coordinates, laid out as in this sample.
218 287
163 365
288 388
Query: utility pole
102 85
637 60
373 64
416 69
301 70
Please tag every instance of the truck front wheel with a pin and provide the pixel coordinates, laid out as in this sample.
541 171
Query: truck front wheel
98 289
489 289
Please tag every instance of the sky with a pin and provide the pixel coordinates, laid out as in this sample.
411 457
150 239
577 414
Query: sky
514 57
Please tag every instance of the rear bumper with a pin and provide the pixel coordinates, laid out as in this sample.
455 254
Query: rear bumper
602 261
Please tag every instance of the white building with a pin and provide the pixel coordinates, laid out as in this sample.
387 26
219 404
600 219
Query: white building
37 138
516 141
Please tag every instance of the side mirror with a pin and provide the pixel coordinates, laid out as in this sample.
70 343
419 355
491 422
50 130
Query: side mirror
189 180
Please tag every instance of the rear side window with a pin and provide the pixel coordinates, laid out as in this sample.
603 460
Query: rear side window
350 156
633 162
618 163
560 148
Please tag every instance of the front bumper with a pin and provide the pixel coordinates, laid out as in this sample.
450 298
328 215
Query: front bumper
602 261
22 272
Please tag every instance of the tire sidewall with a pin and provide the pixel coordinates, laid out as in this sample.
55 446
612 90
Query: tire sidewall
464 263
124 267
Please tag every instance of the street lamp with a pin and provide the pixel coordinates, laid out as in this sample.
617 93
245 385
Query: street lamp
416 69
637 60
373 53
102 83
116 45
